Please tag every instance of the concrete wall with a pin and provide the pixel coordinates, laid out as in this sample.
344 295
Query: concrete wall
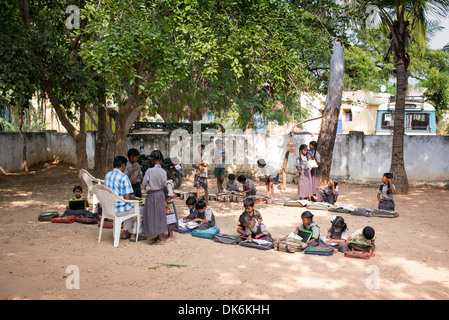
357 157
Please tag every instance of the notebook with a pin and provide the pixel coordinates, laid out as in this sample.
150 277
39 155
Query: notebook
77 204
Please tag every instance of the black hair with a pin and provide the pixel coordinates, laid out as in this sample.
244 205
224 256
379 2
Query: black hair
335 182
387 175
244 218
303 146
248 202
314 144
307 215
119 160
191 201
77 188
201 204
231 177
339 222
368 232
133 152
156 155
203 146
241 178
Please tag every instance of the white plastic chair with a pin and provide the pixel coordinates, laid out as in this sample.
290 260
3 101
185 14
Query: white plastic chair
89 180
107 199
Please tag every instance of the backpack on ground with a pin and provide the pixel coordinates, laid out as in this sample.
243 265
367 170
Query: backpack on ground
319 250
208 233
227 239
384 213
258 244
47 216
287 246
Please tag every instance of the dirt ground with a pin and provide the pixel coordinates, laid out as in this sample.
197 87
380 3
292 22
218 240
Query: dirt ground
411 261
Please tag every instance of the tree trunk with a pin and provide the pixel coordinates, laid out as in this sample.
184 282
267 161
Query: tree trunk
80 139
104 145
78 135
397 167
24 149
329 122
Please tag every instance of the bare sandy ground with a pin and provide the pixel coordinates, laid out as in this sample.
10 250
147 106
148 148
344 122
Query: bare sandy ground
411 262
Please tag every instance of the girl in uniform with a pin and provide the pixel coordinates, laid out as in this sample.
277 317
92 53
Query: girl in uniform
305 188
154 215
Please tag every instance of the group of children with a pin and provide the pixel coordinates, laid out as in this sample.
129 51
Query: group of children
251 226
160 193
337 236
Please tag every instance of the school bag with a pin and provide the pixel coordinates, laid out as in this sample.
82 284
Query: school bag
319 250
206 233
47 216
227 239
257 198
365 212
183 230
319 206
342 208
68 219
258 244
359 254
170 214
384 213
287 246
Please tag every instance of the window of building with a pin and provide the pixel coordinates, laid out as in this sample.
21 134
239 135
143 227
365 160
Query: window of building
417 121
387 121
348 115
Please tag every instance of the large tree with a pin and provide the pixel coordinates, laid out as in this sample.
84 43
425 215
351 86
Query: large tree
404 18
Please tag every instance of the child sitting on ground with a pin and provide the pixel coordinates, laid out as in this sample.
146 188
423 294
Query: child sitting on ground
190 203
203 215
307 224
232 184
329 193
248 204
82 213
253 228
337 235
385 193
362 240
248 185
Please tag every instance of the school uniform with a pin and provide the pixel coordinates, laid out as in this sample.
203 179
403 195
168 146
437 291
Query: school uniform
138 173
387 199
315 232
154 217
249 185
258 228
305 186
327 195
315 172
207 215
233 186
340 235
169 192
270 171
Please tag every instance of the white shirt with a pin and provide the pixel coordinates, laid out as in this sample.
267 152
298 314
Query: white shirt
269 170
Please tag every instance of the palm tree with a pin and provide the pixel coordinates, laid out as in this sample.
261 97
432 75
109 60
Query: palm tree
402 17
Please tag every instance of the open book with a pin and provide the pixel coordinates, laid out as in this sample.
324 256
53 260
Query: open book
324 239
